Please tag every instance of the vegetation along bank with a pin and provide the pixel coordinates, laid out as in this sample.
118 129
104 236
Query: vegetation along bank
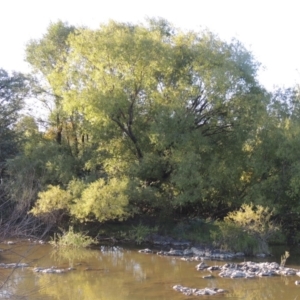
152 128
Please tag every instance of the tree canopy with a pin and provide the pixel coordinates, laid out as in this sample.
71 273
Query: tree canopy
150 118
168 112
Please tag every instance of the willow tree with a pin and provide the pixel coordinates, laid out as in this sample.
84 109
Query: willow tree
61 151
170 111
48 56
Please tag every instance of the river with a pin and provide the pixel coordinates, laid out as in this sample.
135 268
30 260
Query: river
126 275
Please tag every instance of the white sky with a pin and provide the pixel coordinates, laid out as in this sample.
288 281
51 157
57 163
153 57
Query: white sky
268 28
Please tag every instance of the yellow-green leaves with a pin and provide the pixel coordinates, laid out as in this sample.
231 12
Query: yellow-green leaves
53 199
247 229
103 201
253 219
150 114
99 200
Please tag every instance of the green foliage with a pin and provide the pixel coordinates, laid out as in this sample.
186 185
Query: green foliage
42 164
72 239
254 219
156 100
102 200
28 127
247 229
47 54
155 109
275 170
13 90
147 118
99 200
141 233
53 199
230 236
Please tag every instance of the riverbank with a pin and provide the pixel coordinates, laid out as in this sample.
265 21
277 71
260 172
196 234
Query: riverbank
184 233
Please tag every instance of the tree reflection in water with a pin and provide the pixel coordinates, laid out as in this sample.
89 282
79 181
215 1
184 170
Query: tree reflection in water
129 275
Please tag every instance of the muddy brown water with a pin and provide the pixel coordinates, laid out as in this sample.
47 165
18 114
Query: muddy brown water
126 275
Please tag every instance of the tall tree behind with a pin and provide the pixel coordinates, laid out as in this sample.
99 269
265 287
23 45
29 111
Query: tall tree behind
13 89
47 56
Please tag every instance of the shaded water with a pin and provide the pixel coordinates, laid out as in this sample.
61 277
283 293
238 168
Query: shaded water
127 275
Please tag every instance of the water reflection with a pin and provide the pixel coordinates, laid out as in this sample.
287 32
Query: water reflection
265 288
125 275
68 257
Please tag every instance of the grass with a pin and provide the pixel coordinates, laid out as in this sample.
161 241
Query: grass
72 239
284 257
